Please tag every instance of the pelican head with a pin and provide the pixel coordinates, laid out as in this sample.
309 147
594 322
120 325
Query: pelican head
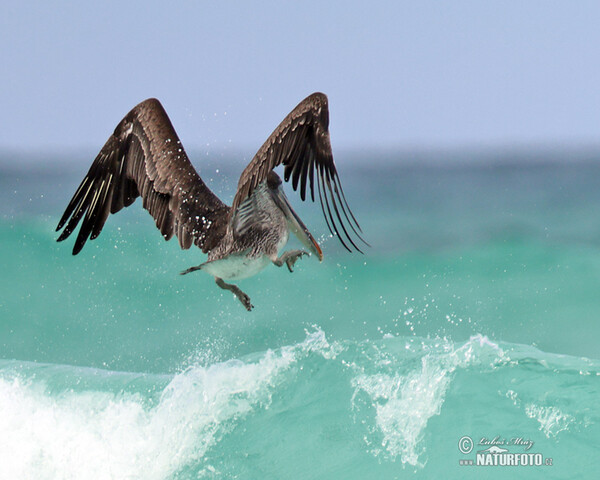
296 225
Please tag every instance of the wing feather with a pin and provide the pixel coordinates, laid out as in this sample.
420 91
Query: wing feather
144 157
302 145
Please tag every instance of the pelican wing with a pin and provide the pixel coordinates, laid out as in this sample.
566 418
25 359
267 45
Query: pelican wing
301 143
144 157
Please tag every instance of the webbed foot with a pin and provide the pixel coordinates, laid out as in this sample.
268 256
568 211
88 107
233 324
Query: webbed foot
289 258
242 297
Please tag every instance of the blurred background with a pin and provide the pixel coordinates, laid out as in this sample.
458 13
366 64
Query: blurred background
398 75
466 135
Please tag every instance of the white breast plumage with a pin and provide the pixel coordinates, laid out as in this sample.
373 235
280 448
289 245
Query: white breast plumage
236 266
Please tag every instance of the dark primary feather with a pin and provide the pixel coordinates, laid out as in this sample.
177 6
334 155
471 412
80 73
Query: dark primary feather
301 143
144 157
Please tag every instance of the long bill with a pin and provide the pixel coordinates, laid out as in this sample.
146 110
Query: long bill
296 225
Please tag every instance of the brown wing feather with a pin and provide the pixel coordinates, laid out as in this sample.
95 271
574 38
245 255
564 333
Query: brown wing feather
144 157
301 143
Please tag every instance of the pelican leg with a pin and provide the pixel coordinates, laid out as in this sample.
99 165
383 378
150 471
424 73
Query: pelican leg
191 269
289 258
242 297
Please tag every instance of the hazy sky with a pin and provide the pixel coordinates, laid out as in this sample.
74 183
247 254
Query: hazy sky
398 73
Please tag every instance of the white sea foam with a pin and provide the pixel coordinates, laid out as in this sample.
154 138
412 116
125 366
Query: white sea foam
552 420
105 435
404 403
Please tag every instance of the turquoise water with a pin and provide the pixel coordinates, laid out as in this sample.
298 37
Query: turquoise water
474 314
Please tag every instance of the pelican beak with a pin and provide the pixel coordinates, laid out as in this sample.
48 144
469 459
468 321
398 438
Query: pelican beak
295 224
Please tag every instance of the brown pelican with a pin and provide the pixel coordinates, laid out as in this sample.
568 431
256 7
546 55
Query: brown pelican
144 157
